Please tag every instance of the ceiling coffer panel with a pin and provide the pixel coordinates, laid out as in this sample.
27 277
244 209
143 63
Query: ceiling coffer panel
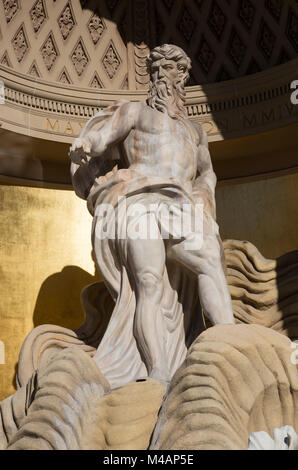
104 44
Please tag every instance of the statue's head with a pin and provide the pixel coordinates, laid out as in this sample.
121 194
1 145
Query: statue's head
170 61
168 66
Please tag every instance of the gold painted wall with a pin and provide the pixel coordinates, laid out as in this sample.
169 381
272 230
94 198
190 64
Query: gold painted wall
264 212
45 246
45 260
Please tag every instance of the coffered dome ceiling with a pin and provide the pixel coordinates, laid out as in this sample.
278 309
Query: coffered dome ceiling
103 44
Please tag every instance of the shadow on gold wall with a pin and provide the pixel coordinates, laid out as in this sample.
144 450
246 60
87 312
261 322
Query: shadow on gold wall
45 262
58 300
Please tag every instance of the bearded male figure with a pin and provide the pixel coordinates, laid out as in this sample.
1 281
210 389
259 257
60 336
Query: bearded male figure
151 155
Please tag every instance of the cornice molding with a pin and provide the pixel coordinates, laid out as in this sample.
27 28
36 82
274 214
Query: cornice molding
227 109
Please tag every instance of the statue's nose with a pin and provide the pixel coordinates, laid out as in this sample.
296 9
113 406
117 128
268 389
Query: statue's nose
161 73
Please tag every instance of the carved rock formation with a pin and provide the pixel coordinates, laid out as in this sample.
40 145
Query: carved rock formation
47 340
263 291
67 406
236 379
59 407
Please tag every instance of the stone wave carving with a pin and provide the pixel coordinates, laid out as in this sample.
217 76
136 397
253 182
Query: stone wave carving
46 340
12 411
127 417
263 291
236 379
68 406
62 410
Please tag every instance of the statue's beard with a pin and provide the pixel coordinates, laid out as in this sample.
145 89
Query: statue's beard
168 98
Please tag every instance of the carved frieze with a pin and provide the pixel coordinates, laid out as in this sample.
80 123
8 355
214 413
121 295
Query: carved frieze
235 39
38 15
186 23
5 60
11 8
275 8
64 77
247 13
79 58
267 40
49 52
236 48
111 61
20 44
95 82
205 55
66 21
141 42
217 20
96 27
250 105
34 70
292 28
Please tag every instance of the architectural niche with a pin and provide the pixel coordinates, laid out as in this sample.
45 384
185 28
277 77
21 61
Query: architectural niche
113 38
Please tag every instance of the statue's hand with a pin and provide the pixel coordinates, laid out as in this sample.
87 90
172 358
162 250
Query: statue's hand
80 151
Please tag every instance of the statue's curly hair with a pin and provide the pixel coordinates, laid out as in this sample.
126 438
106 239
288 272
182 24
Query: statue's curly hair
169 52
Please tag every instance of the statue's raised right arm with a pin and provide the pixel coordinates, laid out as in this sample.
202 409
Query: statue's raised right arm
94 143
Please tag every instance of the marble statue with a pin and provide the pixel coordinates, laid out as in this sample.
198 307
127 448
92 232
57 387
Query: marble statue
144 360
141 159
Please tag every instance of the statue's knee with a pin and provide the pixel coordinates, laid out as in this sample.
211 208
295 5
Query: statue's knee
150 283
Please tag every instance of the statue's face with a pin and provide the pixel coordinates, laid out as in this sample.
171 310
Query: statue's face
166 93
164 71
167 71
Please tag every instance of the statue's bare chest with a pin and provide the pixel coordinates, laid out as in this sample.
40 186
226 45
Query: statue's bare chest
163 145
155 126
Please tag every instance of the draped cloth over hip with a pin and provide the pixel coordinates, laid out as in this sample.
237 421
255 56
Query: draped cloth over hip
118 355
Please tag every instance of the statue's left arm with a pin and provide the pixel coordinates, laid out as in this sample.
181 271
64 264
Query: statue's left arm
205 167
205 183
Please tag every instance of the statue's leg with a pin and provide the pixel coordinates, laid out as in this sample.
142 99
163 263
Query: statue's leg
206 263
146 262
